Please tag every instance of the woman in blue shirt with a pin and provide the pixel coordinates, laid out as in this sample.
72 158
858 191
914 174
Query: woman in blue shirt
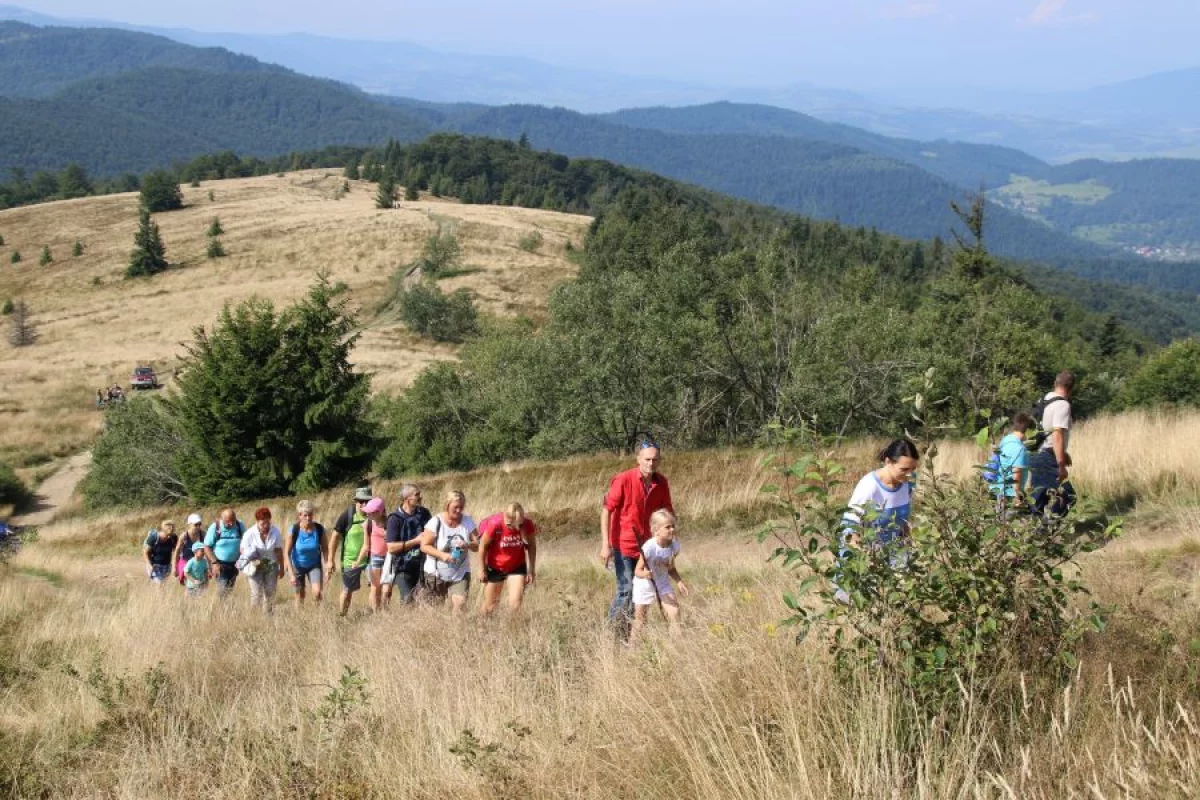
305 553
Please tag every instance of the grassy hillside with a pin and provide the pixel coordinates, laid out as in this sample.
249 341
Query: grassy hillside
101 669
95 326
39 61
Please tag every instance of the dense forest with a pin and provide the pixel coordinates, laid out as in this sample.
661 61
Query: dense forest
39 61
705 319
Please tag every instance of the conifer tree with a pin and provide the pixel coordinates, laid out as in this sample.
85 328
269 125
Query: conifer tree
215 248
15 258
22 332
149 256
411 193
77 249
161 192
46 258
215 228
351 171
386 196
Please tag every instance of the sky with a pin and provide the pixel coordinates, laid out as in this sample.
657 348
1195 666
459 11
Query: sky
883 45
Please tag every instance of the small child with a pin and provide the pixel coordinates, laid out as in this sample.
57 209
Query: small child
654 572
195 572
1010 465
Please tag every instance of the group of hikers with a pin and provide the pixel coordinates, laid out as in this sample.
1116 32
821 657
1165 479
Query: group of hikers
423 556
107 397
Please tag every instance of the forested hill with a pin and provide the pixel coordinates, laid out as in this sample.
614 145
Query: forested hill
153 117
815 178
37 62
963 164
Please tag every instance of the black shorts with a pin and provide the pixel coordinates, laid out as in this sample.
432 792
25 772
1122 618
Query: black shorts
352 578
498 576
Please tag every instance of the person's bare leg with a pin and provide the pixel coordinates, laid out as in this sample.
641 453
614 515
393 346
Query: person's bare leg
376 596
458 603
671 609
491 597
516 592
345 602
639 621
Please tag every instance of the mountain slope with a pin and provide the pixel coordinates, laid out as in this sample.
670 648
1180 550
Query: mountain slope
152 117
960 163
37 62
815 178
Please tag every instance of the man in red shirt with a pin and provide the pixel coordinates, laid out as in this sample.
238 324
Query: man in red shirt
633 495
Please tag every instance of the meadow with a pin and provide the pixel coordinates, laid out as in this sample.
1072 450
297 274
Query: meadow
95 326
114 688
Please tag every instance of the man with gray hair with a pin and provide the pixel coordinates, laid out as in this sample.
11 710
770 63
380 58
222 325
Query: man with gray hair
1050 465
404 526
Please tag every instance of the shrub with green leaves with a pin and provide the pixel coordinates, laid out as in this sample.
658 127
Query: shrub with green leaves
1170 377
432 313
135 462
966 594
47 256
161 192
441 253
15 258
7 307
531 242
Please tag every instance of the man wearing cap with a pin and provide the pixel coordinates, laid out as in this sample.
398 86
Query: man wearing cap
633 495
349 531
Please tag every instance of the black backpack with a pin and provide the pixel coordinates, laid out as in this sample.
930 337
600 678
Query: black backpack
1040 434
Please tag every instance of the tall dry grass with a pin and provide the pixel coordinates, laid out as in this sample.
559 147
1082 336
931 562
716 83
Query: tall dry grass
116 689
1147 456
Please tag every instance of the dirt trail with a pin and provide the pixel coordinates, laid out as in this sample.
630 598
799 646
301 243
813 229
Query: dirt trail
56 491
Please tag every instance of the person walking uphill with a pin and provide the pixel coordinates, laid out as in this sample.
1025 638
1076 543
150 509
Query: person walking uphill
633 495
223 544
1049 466
349 531
404 528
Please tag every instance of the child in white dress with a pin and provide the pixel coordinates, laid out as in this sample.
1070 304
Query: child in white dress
655 571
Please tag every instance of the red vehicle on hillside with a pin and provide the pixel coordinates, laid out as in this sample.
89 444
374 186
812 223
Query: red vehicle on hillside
143 378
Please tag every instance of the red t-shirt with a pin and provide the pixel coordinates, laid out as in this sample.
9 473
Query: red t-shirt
630 502
506 551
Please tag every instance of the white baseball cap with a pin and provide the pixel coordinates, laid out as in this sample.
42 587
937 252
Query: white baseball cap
194 519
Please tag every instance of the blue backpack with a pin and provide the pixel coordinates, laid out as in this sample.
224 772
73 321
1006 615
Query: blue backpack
990 473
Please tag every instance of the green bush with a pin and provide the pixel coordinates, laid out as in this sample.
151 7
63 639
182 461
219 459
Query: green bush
77 249
135 462
215 249
531 242
161 192
15 258
215 228
8 307
967 594
13 491
47 257
430 312
441 254
1170 377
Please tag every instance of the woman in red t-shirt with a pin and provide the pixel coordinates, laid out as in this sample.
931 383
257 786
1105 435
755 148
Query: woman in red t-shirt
509 554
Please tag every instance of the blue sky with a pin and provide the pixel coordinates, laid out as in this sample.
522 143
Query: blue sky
859 44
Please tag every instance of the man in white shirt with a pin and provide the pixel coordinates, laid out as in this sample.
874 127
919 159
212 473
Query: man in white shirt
1050 465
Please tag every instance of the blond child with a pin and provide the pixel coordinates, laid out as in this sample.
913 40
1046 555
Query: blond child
655 571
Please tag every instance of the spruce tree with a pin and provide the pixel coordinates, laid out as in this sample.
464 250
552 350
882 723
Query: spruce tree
22 332
149 256
386 196
77 249
411 193
215 248
46 258
161 192
215 228
15 258
351 171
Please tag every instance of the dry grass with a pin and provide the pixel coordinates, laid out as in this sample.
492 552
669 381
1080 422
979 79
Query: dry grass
95 326
111 688
1139 455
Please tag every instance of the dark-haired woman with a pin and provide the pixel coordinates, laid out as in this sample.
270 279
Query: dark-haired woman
882 501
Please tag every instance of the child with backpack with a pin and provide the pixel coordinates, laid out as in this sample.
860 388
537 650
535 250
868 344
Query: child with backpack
654 572
1007 471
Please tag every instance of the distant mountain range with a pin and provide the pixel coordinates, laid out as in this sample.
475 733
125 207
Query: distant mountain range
1145 117
119 100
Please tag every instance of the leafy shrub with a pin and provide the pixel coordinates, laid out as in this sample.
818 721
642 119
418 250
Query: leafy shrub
432 313
531 242
7 308
442 253
135 462
161 192
1169 377
15 258
13 491
967 592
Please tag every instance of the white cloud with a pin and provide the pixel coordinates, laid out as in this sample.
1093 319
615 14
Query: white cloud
910 11
1053 12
